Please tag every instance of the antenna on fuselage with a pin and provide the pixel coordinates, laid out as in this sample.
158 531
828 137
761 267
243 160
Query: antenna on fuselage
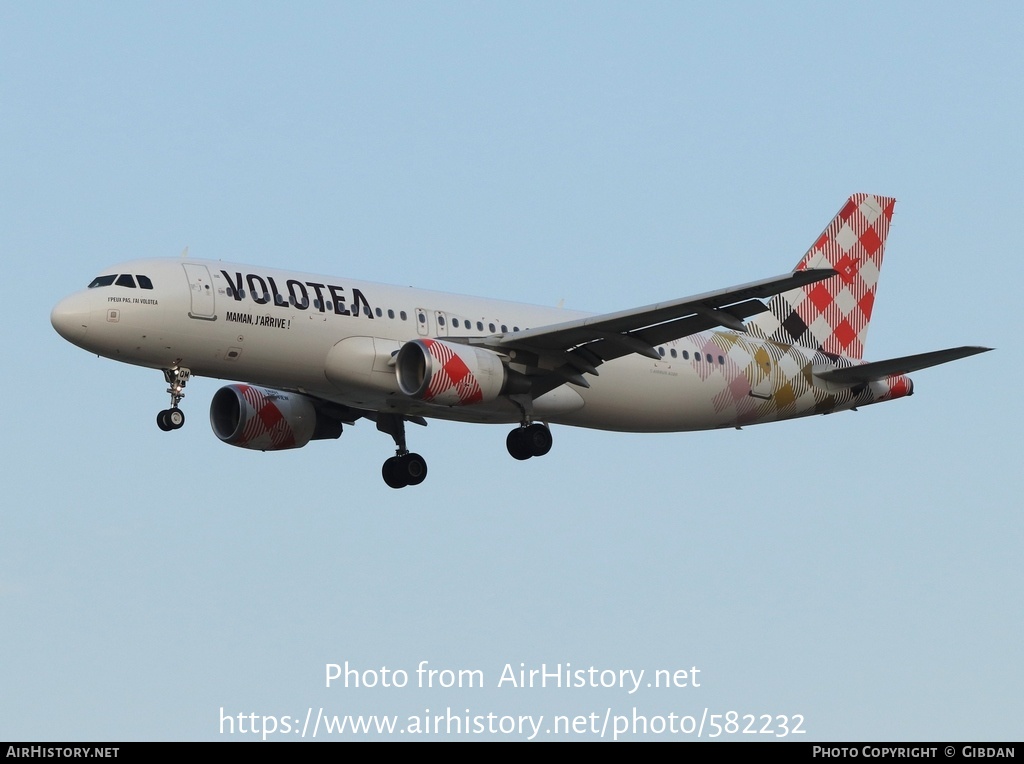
184 252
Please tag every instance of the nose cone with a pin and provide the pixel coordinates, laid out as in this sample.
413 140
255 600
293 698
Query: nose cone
70 317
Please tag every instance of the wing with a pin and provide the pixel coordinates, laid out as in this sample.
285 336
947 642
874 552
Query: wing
567 350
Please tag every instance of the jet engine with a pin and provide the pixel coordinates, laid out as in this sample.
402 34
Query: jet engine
267 420
447 374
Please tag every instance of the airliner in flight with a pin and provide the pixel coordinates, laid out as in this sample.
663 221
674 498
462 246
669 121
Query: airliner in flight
319 352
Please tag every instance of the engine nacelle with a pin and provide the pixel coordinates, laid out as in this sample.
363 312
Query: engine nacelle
267 420
447 374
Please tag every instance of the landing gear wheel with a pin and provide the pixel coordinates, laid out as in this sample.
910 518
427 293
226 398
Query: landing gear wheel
403 470
391 472
538 438
414 468
517 446
175 418
161 421
531 440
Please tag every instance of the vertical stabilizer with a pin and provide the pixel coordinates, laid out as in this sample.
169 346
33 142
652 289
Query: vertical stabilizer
833 315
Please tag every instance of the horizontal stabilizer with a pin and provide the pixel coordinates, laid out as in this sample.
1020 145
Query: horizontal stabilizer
870 372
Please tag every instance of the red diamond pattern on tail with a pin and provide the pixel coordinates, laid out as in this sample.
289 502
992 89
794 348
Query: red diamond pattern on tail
853 245
821 297
867 302
870 241
845 334
846 267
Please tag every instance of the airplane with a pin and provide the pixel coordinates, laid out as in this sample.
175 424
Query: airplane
318 352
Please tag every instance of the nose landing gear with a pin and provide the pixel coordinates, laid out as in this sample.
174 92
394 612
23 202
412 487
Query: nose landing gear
174 418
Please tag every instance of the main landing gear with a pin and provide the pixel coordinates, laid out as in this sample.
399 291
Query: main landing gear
528 440
174 418
404 468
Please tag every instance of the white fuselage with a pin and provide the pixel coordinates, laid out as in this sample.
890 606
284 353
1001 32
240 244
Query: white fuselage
334 339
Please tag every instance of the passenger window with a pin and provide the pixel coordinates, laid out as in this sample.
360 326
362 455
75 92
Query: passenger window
721 360
378 312
440 320
102 281
125 280
673 352
686 355
504 328
391 313
491 328
402 315
479 326
144 282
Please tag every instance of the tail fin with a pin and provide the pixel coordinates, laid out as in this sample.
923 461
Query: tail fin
833 315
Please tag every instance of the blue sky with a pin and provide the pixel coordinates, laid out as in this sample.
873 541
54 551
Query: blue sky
861 570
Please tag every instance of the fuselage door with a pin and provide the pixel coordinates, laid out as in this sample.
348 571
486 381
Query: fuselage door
201 288
441 323
423 322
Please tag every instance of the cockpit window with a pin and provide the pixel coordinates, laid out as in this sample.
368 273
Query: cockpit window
125 280
102 281
144 282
